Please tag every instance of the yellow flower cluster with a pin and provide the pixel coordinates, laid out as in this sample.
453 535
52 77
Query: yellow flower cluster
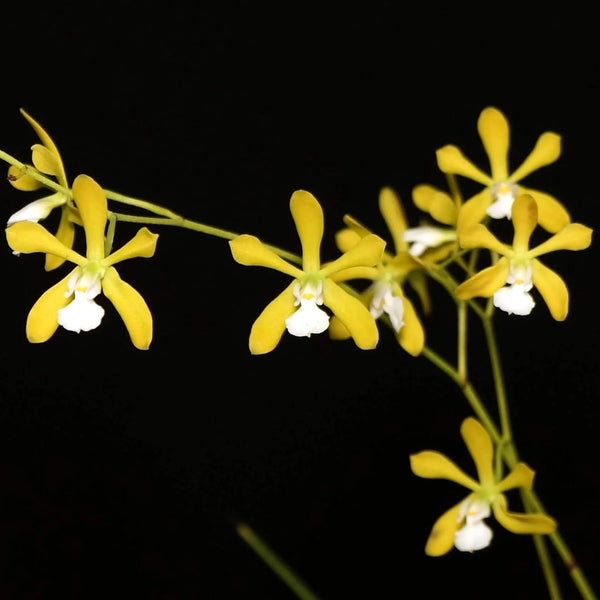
448 246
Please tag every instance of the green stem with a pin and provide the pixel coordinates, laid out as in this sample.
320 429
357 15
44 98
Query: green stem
275 563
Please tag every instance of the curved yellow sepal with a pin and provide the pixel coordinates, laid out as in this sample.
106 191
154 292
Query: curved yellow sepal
479 236
42 321
142 245
546 151
64 234
552 288
393 214
486 282
527 523
270 324
131 306
473 210
451 160
495 135
91 201
480 447
524 214
354 315
367 253
552 215
412 334
434 465
520 477
248 250
308 218
574 236
346 239
28 237
441 537
45 160
49 143
437 203
21 181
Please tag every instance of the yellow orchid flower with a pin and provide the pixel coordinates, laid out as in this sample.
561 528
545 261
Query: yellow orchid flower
502 187
462 526
385 294
431 242
70 303
518 266
297 307
46 159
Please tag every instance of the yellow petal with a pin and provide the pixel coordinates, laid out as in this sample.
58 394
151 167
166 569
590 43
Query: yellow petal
22 181
435 202
45 160
337 330
143 245
480 447
494 133
451 160
250 251
356 226
270 325
91 202
369 273
524 214
552 288
346 239
65 234
574 236
441 538
473 210
479 236
522 522
49 143
366 253
485 283
131 306
28 237
552 215
354 315
520 477
411 335
393 214
42 320
434 465
308 217
546 151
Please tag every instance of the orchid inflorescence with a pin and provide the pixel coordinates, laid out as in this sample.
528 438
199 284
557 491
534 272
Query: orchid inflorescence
375 279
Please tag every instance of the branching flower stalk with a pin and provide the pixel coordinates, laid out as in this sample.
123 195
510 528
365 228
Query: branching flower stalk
447 248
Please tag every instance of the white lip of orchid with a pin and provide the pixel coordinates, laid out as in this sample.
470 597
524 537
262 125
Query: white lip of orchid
515 298
504 195
82 313
384 301
38 209
427 236
309 318
474 534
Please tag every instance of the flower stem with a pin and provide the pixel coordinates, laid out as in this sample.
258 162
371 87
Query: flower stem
275 563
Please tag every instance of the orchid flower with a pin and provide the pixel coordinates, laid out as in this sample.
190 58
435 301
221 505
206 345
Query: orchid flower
386 294
297 308
519 266
463 525
70 303
46 159
501 186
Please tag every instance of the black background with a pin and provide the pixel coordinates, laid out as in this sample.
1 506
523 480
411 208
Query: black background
122 472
